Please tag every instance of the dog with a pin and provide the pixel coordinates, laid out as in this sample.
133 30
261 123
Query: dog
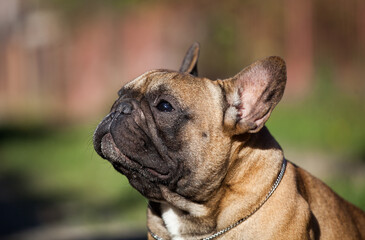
199 151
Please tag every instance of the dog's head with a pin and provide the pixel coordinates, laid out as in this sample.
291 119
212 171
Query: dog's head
174 129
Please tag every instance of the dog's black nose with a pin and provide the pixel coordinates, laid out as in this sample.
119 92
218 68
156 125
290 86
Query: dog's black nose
125 108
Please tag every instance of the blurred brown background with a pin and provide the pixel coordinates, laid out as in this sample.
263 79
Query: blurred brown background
62 62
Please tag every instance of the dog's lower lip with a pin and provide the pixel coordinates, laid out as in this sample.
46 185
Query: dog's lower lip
113 154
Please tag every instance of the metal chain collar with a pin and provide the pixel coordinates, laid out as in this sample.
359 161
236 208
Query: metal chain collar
217 234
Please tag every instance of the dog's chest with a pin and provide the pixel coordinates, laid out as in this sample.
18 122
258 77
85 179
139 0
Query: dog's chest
171 218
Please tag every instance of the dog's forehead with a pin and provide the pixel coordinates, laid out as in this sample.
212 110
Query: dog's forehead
180 85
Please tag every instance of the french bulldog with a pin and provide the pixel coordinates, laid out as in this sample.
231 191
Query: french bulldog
199 151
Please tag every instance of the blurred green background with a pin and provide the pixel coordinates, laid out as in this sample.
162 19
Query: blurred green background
62 62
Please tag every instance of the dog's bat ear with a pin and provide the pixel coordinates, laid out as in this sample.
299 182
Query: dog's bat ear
190 62
253 93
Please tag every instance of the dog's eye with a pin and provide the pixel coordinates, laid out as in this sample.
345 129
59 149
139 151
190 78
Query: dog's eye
164 106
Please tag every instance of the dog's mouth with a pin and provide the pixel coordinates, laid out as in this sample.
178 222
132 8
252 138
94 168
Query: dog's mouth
126 164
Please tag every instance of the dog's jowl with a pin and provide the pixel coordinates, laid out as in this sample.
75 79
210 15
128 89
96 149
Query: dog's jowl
199 151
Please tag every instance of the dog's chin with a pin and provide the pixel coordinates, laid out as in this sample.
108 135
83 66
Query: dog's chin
131 169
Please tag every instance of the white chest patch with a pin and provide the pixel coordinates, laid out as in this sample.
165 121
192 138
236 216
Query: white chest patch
171 217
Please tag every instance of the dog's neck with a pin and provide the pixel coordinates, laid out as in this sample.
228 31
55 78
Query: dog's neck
258 158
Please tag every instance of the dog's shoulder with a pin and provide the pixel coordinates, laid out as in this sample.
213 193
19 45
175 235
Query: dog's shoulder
334 214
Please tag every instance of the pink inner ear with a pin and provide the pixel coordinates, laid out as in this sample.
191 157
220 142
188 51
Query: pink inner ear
251 86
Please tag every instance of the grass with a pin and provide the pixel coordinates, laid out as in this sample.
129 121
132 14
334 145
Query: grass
59 168
328 120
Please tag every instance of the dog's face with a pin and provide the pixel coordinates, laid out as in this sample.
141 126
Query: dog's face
174 129
164 129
